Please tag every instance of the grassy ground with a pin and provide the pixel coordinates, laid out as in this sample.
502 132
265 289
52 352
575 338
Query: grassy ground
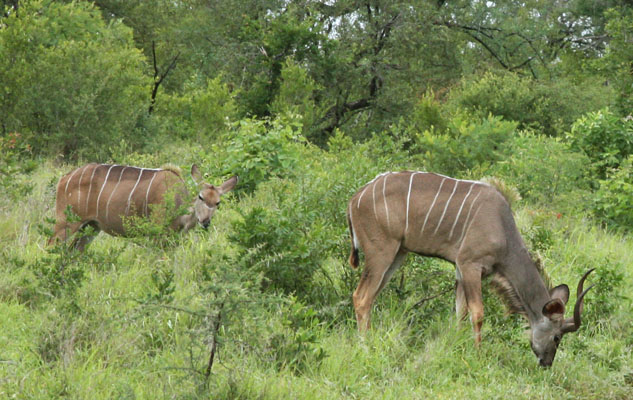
116 335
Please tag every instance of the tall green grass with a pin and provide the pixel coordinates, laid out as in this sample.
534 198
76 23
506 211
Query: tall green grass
117 337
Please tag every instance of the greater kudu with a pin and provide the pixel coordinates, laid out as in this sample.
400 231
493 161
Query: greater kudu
103 195
467 223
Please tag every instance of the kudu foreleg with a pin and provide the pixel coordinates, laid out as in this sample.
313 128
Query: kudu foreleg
469 286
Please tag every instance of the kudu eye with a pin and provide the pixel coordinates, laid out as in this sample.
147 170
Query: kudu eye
200 197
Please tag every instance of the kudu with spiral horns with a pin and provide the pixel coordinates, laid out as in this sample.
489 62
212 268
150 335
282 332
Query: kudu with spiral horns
467 223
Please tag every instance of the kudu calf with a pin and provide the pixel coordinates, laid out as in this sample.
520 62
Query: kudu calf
103 195
467 223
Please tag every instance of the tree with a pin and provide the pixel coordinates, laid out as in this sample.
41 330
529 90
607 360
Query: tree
71 83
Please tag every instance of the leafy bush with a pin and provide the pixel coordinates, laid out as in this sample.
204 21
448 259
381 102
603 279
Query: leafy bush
257 150
15 160
297 346
544 169
468 143
604 137
548 107
70 82
296 96
613 202
203 113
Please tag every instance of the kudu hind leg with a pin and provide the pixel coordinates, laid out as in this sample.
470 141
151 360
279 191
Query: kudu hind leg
469 292
379 266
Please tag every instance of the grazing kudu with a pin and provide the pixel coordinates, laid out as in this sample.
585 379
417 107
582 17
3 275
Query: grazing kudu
103 196
467 223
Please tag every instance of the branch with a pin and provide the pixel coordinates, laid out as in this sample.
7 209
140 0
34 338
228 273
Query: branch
158 76
214 342
424 300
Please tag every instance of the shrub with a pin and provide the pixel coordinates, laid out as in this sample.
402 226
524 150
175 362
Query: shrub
548 107
15 160
257 150
613 202
203 113
604 137
544 169
70 82
468 143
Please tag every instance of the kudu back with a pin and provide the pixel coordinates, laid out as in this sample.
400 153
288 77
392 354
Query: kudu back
467 223
103 196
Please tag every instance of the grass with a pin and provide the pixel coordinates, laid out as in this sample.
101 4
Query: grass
105 339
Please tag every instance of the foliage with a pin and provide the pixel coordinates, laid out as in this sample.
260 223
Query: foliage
297 96
544 169
71 82
15 159
616 63
613 202
297 346
468 143
257 150
547 107
603 137
203 113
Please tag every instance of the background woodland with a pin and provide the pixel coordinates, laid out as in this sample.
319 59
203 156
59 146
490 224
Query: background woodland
307 101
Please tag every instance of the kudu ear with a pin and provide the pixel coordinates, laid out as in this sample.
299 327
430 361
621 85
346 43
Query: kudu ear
560 292
554 309
228 185
195 174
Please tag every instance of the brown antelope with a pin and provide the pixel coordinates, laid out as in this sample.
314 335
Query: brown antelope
102 195
467 223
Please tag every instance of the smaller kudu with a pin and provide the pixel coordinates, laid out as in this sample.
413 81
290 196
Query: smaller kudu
103 195
469 224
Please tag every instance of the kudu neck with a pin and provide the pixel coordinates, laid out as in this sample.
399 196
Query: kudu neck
526 279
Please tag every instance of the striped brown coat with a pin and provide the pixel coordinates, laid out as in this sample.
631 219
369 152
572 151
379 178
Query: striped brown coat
471 225
103 195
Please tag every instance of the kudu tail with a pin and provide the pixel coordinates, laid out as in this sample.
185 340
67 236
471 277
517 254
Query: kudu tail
353 256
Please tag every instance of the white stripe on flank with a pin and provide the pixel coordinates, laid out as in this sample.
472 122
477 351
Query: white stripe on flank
432 204
373 197
384 183
90 187
127 209
69 179
471 222
406 227
114 190
460 211
468 215
446 208
79 187
148 189
367 186
102 186
361 196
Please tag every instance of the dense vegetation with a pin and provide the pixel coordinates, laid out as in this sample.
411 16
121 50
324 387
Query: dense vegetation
306 101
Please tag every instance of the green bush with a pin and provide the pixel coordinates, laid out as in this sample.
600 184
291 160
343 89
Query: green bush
71 83
613 202
604 137
548 107
257 150
544 169
15 160
469 142
202 113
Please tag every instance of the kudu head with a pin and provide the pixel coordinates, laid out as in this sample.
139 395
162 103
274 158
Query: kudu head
208 198
547 332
